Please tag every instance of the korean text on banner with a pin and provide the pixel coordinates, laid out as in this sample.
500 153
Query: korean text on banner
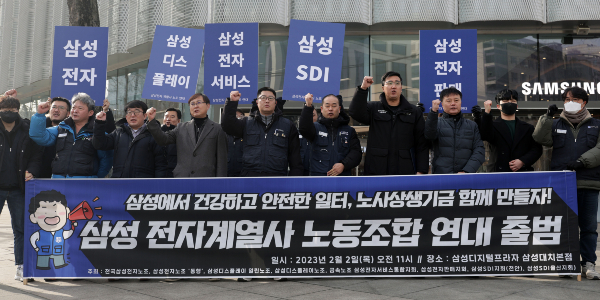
79 62
448 59
174 64
389 226
314 60
231 61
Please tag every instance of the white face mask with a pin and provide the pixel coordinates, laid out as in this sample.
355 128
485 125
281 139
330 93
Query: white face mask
572 107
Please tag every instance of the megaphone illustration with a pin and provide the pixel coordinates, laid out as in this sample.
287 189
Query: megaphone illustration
83 211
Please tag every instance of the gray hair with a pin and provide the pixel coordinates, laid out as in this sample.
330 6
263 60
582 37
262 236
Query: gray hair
85 99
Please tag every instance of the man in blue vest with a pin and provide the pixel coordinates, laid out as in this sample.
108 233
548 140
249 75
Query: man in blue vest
49 210
271 141
335 147
576 146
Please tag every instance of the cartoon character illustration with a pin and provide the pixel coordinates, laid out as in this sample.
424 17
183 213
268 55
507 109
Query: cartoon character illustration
49 210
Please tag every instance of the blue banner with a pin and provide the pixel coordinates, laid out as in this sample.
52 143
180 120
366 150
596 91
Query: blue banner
431 225
448 58
79 62
231 61
174 64
314 60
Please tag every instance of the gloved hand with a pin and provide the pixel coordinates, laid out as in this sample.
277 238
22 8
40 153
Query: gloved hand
552 109
574 165
421 107
476 111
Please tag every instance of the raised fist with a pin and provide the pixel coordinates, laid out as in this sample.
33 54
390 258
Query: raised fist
11 93
552 109
235 96
367 81
101 116
488 106
435 105
44 107
309 99
151 113
421 107
476 111
105 105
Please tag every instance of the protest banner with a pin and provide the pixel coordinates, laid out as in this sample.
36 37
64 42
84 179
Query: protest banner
447 58
174 64
500 224
313 60
79 62
231 61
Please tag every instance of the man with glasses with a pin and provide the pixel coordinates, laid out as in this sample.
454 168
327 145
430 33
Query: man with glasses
136 153
515 149
201 143
20 161
271 142
576 146
75 155
395 129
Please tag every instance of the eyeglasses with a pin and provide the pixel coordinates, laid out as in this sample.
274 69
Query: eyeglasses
397 83
263 97
574 100
133 112
194 103
9 109
59 107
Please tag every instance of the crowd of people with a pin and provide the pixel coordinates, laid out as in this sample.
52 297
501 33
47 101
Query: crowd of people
67 139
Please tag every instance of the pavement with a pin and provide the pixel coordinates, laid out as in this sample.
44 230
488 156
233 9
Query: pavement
538 287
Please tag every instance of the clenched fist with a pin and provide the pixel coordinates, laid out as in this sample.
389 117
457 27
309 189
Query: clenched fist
11 93
101 116
105 105
435 105
235 96
151 113
44 107
488 106
309 99
367 81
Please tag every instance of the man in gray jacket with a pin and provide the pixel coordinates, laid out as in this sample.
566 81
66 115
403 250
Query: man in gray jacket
457 145
201 143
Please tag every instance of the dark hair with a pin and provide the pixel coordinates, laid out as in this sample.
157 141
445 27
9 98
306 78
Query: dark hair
175 110
63 100
340 99
239 111
576 92
137 104
199 95
450 91
390 74
9 102
506 94
47 196
268 89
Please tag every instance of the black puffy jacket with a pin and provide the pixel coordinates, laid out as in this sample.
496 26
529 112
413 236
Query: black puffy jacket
29 154
139 157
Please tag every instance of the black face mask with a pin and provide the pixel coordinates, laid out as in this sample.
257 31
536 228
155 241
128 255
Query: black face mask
509 108
9 116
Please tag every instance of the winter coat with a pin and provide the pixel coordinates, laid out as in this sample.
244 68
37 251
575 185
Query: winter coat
28 153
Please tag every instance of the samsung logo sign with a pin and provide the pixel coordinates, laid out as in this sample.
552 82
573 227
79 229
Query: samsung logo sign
555 88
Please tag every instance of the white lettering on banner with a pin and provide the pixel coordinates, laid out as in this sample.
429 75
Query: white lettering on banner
442 86
184 42
89 78
226 62
443 66
306 45
72 49
554 88
170 60
70 74
545 231
91 53
230 81
315 73
440 46
224 39
122 235
461 237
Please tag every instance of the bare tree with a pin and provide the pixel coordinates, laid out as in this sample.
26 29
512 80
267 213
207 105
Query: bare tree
83 13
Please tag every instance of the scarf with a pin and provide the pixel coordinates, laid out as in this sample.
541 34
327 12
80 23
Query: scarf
576 118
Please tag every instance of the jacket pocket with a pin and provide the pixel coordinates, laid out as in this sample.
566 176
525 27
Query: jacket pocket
558 140
378 163
382 117
252 139
405 162
592 138
280 141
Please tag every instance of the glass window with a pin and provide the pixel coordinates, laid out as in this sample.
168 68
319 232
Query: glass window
565 65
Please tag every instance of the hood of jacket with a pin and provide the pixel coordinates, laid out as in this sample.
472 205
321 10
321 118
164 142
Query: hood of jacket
404 104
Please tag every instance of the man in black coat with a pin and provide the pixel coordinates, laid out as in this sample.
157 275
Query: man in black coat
335 147
171 119
20 161
515 148
395 127
235 151
271 142
136 153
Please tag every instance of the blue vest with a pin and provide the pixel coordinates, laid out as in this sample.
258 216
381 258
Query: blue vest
329 148
567 148
51 244
266 150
